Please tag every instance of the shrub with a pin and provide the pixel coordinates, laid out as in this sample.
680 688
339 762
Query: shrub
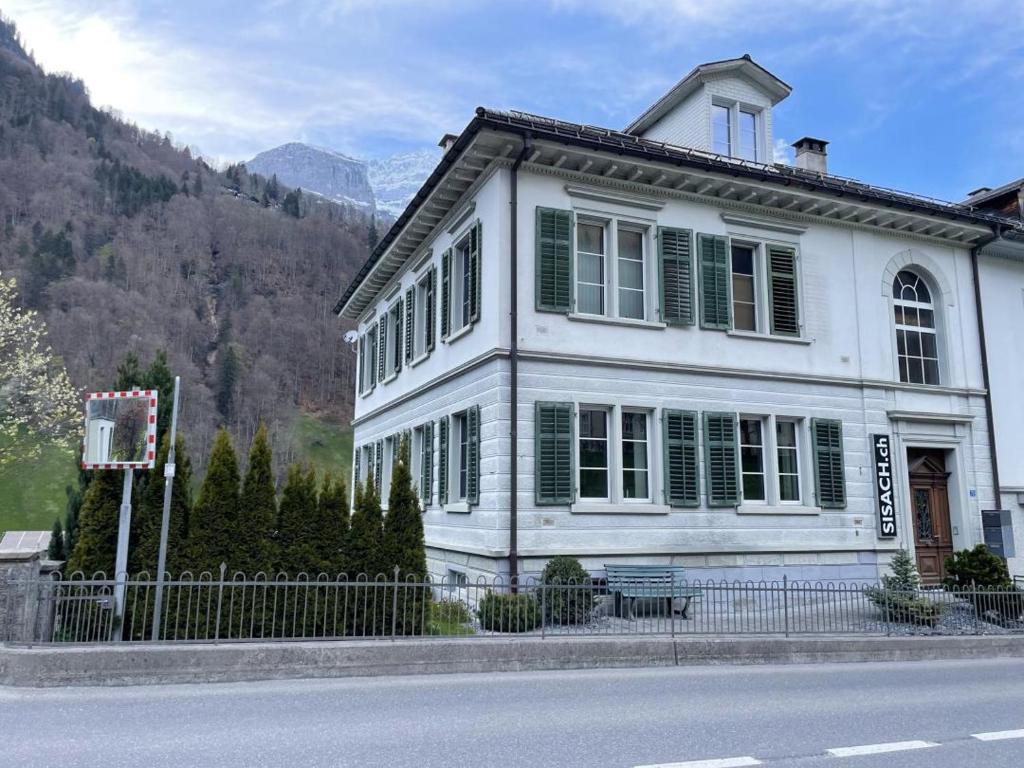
508 613
898 598
568 591
978 567
449 617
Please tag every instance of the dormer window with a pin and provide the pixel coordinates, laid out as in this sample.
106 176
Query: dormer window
735 131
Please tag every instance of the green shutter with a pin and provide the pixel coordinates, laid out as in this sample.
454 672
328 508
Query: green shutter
679 437
473 455
371 358
474 273
829 474
355 469
360 381
713 255
553 467
783 299
446 292
442 461
430 311
427 464
379 466
382 347
720 462
675 265
410 323
553 259
399 315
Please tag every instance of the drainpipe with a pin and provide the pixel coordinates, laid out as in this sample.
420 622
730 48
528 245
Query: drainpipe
990 418
513 318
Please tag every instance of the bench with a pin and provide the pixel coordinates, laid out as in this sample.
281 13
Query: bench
659 582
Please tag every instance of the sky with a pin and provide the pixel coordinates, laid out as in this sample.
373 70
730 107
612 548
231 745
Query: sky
925 96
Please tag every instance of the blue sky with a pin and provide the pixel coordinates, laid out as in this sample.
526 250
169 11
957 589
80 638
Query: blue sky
925 96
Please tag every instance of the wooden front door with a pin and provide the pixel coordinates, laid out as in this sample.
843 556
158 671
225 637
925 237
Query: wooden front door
929 512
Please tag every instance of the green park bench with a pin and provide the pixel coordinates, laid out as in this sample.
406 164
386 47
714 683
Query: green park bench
649 582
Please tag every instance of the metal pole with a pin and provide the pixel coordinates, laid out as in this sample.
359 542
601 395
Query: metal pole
121 563
161 563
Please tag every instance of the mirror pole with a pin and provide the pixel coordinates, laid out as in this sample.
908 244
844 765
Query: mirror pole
165 518
121 564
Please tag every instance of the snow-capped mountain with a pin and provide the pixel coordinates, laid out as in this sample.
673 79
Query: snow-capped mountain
331 174
384 184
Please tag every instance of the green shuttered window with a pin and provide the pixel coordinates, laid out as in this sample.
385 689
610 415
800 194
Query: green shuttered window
442 460
382 347
720 462
675 265
783 301
553 466
713 257
829 475
446 292
553 260
473 455
474 273
410 323
430 312
682 483
397 353
427 464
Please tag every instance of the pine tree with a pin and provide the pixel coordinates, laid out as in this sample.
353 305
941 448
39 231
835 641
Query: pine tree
158 376
333 522
96 545
904 573
257 511
366 535
213 524
129 373
296 523
55 551
404 548
143 553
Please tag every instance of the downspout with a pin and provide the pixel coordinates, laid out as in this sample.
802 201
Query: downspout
513 356
989 416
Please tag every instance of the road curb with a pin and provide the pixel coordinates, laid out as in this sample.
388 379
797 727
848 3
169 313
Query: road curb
139 664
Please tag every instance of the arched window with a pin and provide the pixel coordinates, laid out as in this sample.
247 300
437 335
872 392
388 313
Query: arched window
917 344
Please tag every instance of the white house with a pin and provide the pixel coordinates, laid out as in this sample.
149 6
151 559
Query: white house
655 345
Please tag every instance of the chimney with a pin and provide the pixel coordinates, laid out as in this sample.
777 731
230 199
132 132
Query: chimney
811 154
447 141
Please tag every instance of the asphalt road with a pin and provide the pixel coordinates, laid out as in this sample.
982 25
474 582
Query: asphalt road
773 716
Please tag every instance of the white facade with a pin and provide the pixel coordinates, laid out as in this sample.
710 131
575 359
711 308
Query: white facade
841 365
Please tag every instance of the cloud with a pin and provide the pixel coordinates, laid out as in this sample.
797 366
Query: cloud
782 152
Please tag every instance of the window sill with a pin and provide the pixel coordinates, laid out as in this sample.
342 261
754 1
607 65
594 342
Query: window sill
458 334
624 321
770 337
606 508
457 507
776 509
389 378
417 360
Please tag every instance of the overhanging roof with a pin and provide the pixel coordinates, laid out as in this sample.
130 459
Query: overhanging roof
612 157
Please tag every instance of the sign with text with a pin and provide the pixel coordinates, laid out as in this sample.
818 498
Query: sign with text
884 486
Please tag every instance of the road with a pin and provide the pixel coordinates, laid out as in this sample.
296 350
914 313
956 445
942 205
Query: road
777 716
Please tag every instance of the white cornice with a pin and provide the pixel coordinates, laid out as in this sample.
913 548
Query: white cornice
631 201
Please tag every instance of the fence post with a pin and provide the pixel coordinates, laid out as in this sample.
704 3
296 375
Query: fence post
543 610
974 605
220 598
785 601
394 606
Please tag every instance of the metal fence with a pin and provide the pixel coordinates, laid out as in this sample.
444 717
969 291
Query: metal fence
208 608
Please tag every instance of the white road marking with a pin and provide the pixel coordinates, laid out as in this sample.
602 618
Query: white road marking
877 749
725 762
999 735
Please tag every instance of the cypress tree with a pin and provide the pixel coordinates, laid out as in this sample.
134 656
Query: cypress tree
143 554
55 551
96 546
366 535
333 522
129 373
213 524
158 376
296 524
257 511
405 548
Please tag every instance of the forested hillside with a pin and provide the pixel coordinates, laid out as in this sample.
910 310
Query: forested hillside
126 242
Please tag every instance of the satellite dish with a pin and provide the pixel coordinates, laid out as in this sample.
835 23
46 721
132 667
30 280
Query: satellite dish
351 337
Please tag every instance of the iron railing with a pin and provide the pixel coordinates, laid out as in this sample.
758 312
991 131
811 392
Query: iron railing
208 608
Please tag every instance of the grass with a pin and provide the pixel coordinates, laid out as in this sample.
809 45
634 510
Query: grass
327 446
448 618
32 492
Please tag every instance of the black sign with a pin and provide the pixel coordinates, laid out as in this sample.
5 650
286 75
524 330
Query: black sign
884 487
998 529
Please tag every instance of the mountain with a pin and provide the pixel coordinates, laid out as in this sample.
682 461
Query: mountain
330 174
396 179
125 243
385 185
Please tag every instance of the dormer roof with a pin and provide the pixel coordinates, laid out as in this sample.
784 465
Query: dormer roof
744 66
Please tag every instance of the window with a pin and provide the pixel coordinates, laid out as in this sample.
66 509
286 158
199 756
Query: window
463 294
460 457
424 451
590 268
394 347
631 274
635 464
752 459
916 336
744 288
460 432
368 359
593 450
787 452
748 135
423 322
416 459
387 468
460 283
721 141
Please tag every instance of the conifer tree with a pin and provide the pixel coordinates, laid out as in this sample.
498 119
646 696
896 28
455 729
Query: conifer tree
333 521
405 548
257 512
366 534
96 546
213 524
158 376
55 550
129 373
296 522
144 550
